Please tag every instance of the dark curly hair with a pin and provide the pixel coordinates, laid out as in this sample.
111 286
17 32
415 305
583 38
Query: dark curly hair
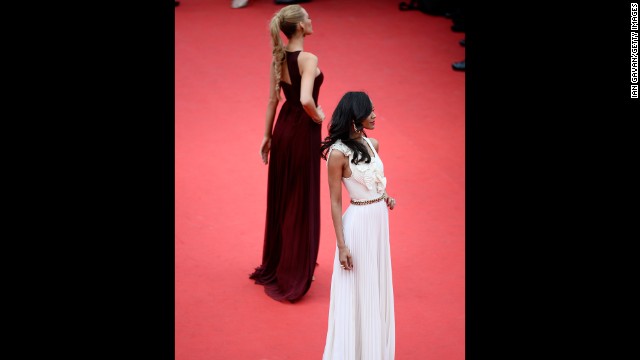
353 108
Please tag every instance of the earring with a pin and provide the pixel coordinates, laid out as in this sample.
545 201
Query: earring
355 128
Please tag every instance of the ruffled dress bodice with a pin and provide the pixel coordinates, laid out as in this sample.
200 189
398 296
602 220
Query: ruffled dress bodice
367 181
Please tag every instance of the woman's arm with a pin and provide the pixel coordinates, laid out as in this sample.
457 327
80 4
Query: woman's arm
308 66
335 165
272 105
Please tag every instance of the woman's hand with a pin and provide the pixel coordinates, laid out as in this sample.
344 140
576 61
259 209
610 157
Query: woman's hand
344 255
391 202
321 114
264 149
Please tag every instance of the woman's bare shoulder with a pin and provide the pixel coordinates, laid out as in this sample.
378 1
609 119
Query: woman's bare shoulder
375 143
306 56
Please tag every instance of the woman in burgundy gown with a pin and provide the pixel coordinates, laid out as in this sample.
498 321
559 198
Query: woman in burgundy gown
292 230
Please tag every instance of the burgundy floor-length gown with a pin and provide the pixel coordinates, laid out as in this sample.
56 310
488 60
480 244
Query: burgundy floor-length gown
292 230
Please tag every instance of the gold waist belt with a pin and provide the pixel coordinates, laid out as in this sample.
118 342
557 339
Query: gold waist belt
367 202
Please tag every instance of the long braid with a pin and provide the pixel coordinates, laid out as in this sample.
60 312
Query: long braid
278 49
285 20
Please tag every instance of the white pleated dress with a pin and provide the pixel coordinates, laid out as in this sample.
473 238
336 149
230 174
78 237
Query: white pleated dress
361 316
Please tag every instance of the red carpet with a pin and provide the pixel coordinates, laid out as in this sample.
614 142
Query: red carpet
403 60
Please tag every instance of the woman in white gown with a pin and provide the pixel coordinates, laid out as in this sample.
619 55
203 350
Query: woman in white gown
361 322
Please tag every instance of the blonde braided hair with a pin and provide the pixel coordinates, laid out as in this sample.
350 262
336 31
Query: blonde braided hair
285 20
